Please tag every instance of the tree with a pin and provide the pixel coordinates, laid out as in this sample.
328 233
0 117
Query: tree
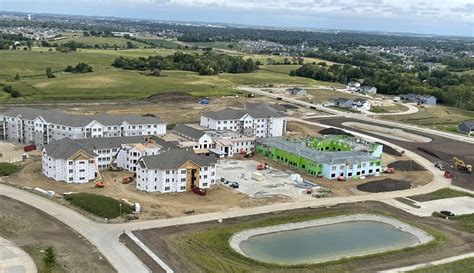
15 93
17 77
49 258
49 73
130 45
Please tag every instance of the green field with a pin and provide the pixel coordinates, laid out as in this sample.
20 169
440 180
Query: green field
440 194
101 41
107 82
461 266
99 205
282 68
438 117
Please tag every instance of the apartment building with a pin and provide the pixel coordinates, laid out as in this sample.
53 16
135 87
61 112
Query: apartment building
175 170
260 122
40 127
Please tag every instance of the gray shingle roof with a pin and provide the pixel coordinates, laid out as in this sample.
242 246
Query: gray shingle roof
64 148
230 113
188 131
57 116
175 158
469 123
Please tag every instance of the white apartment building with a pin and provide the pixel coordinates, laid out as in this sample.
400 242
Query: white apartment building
260 122
40 127
80 160
224 143
175 170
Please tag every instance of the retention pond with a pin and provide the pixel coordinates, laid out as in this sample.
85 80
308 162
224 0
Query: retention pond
327 239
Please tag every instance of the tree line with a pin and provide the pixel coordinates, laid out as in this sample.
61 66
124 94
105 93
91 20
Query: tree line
208 63
449 88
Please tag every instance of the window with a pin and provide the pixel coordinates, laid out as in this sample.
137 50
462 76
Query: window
70 171
204 184
167 188
333 175
183 188
70 162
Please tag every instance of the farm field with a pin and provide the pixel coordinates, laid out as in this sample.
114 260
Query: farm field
101 41
438 117
107 82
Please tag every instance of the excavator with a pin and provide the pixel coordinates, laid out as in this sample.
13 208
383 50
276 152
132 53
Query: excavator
461 165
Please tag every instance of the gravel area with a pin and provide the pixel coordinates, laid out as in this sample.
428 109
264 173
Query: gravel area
239 237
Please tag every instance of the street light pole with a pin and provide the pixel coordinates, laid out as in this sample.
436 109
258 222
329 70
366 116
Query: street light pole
120 206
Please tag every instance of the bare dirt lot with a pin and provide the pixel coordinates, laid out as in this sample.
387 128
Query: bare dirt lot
439 149
10 152
349 187
154 205
33 230
173 244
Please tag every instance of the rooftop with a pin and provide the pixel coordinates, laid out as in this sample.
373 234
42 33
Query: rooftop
58 116
175 158
328 157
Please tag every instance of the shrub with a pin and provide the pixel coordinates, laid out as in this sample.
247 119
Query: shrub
49 258
7 169
99 205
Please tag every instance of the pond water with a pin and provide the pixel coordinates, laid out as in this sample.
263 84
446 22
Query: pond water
326 242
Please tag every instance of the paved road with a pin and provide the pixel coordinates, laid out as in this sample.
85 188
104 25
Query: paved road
105 236
14 259
433 263
359 116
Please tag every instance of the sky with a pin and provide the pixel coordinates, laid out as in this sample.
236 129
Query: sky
445 17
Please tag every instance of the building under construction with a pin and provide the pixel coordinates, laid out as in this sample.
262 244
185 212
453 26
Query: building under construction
330 156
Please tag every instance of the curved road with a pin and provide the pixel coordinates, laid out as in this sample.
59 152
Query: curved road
358 116
105 236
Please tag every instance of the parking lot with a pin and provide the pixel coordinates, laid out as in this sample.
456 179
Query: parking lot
273 181
457 205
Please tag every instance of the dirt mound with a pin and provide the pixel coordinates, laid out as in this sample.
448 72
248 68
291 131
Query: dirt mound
385 185
390 150
407 166
334 131
428 152
171 97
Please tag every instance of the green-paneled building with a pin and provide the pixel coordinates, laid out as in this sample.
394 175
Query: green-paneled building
329 156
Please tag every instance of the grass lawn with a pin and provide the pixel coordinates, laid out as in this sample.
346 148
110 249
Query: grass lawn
461 266
438 117
7 168
99 205
210 250
440 194
107 82
282 68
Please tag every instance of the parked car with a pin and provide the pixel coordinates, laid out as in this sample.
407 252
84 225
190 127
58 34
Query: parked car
439 165
234 185
447 213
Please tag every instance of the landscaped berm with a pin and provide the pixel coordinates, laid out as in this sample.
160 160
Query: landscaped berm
99 205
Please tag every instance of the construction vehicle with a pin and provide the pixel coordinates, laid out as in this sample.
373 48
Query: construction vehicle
461 166
248 155
439 165
448 174
127 179
389 170
29 148
341 178
199 191
100 184
262 166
